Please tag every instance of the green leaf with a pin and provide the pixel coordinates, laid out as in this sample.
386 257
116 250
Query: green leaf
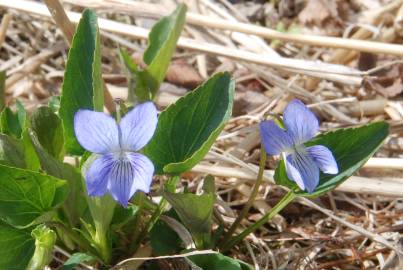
132 73
82 85
13 123
163 239
217 261
54 103
31 158
11 152
195 211
351 148
187 129
162 43
45 239
75 203
49 131
76 259
16 247
27 196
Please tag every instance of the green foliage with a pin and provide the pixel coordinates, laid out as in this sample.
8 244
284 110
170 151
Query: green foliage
45 239
197 119
163 239
2 89
16 247
195 211
13 123
351 148
76 259
49 131
11 152
218 261
26 196
144 83
82 85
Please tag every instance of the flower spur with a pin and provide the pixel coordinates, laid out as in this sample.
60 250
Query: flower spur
117 169
303 164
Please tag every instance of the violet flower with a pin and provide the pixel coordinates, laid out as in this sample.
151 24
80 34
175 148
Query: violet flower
118 169
303 164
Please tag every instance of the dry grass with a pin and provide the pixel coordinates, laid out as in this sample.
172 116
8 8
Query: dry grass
357 226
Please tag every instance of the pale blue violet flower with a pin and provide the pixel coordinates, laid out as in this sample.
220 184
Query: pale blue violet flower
118 169
303 164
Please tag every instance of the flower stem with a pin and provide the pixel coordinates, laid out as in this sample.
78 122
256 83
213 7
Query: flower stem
252 197
169 186
289 197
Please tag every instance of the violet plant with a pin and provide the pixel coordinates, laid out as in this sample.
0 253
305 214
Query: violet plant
101 208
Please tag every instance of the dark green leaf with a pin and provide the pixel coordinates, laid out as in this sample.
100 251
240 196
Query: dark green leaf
76 259
188 128
45 239
49 131
351 148
11 152
26 196
216 261
162 42
163 239
16 247
54 103
82 85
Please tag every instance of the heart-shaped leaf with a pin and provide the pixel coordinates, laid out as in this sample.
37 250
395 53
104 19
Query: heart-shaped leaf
187 129
16 247
82 84
351 148
26 196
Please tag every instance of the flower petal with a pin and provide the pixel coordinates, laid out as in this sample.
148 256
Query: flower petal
138 126
97 175
302 169
300 122
129 174
97 132
323 157
275 139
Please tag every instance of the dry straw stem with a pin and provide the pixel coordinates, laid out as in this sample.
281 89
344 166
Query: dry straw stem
68 29
209 22
354 184
318 69
3 27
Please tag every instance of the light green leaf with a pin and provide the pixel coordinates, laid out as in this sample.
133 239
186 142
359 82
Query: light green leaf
16 247
162 43
82 85
49 131
27 196
45 239
131 74
187 129
351 148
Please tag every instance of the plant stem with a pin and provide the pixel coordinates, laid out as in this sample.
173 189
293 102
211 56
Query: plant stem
169 186
248 205
289 197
